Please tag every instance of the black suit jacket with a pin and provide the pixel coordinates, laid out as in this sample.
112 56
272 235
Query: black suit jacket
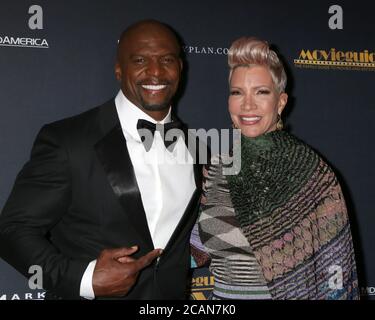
78 195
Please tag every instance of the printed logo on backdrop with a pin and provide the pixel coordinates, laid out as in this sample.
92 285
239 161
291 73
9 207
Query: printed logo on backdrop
34 21
193 49
23 296
368 291
35 284
337 59
336 21
201 287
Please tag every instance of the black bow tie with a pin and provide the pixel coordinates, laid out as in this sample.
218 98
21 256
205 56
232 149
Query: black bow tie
146 130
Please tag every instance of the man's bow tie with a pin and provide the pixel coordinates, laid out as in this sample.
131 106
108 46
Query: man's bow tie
146 130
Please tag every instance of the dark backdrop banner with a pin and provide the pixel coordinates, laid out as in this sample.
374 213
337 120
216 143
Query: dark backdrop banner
57 58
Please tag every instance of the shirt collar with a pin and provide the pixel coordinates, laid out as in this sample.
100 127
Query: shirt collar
129 114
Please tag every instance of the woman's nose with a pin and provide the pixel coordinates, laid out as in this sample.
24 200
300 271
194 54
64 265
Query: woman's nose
248 103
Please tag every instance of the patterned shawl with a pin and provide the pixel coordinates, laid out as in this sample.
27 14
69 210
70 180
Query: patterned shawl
291 209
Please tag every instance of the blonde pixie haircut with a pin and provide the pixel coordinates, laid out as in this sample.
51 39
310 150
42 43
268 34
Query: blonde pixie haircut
250 51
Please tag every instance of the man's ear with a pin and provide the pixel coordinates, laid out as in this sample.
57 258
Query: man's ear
118 72
283 99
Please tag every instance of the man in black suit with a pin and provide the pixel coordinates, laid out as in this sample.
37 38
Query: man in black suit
94 206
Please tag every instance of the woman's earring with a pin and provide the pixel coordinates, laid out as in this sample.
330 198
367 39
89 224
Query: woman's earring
279 124
234 125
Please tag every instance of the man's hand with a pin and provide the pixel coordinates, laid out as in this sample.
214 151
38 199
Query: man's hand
116 272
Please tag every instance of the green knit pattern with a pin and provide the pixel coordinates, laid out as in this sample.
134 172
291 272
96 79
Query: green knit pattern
274 167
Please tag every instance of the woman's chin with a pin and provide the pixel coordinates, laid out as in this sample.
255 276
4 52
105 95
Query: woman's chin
250 133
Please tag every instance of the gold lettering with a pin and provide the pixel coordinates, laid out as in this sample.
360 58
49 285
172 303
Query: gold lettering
306 55
200 281
361 57
366 55
198 296
349 56
321 58
355 54
315 54
324 54
340 55
333 54
371 57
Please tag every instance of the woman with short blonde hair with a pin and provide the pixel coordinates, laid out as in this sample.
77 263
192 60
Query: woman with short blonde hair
279 229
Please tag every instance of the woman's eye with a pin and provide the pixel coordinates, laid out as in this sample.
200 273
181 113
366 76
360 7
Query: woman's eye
264 91
234 92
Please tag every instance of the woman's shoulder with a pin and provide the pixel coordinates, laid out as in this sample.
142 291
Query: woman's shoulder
306 152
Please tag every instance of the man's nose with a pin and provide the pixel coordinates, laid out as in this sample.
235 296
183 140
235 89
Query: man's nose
154 68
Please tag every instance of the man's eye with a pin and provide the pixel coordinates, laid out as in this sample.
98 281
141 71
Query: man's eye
168 60
139 60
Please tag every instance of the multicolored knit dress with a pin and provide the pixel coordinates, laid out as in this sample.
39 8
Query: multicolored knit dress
277 230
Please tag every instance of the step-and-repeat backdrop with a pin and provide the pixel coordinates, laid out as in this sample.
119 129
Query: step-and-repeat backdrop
57 58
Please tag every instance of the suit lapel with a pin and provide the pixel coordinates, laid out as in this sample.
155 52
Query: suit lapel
113 154
114 157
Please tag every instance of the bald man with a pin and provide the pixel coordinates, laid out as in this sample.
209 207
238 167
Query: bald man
100 220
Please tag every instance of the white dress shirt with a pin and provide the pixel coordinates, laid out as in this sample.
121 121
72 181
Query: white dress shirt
165 180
